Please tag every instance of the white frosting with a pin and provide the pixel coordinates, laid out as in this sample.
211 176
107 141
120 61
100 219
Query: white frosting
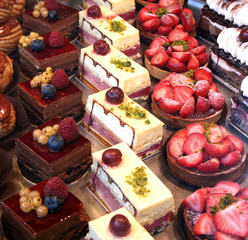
155 205
244 87
234 11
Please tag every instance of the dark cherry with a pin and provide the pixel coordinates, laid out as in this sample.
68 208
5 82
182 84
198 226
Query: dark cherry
101 47
115 95
119 225
111 157
243 36
94 11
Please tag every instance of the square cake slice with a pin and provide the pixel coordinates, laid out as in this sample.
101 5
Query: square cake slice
37 163
131 184
124 122
111 28
101 228
114 69
71 222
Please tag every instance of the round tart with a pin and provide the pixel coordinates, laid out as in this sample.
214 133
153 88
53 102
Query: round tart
4 11
6 71
202 154
143 3
17 7
215 213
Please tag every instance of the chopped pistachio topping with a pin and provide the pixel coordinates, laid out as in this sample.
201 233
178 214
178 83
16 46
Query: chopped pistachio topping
190 74
138 179
147 121
182 43
117 26
161 11
123 64
135 112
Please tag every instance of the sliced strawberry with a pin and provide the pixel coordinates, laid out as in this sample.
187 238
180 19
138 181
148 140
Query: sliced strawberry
187 10
192 42
182 134
217 100
194 143
181 27
214 87
233 219
155 46
214 134
175 8
175 18
169 76
206 155
178 48
210 166
202 105
182 93
213 200
193 63
188 108
145 15
187 20
196 201
180 79
195 128
203 58
244 192
169 105
176 146
217 150
203 73
231 158
176 66
223 236
169 51
225 133
152 7
202 88
165 3
167 21
165 40
162 90
200 49
159 59
182 56
177 34
162 30
151 25
237 143
230 187
205 225
191 160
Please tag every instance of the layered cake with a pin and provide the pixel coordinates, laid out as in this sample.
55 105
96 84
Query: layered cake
123 120
228 58
60 54
113 69
64 20
203 154
38 161
125 10
239 108
116 225
219 15
102 23
20 221
49 101
215 213
123 180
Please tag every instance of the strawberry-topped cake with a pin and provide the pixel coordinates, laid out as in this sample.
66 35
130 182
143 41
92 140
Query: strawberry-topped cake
160 19
177 53
203 154
217 213
164 3
180 99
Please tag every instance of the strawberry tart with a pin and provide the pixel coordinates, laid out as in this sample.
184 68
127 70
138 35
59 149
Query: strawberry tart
103 66
113 118
162 3
216 213
203 154
178 53
180 99
122 179
101 23
155 20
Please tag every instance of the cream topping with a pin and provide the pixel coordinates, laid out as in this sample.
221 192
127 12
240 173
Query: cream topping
244 87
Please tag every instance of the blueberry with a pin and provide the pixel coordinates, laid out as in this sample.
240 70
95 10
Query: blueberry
53 15
55 143
48 91
37 45
54 203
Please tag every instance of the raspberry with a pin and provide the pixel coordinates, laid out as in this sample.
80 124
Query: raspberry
51 5
56 187
56 39
68 130
59 79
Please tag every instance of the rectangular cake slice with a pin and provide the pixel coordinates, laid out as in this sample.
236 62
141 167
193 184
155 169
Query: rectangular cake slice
114 69
99 229
131 184
125 122
111 28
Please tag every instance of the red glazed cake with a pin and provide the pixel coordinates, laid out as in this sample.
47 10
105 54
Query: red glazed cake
71 222
37 162
33 62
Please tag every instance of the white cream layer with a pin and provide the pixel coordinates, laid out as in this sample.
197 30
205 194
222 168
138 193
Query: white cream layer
145 135
244 87
129 82
121 40
155 205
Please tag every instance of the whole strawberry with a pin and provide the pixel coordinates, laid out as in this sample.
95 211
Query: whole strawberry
60 79
51 5
56 39
56 187
68 130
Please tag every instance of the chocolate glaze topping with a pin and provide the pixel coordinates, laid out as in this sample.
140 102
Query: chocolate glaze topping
4 107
